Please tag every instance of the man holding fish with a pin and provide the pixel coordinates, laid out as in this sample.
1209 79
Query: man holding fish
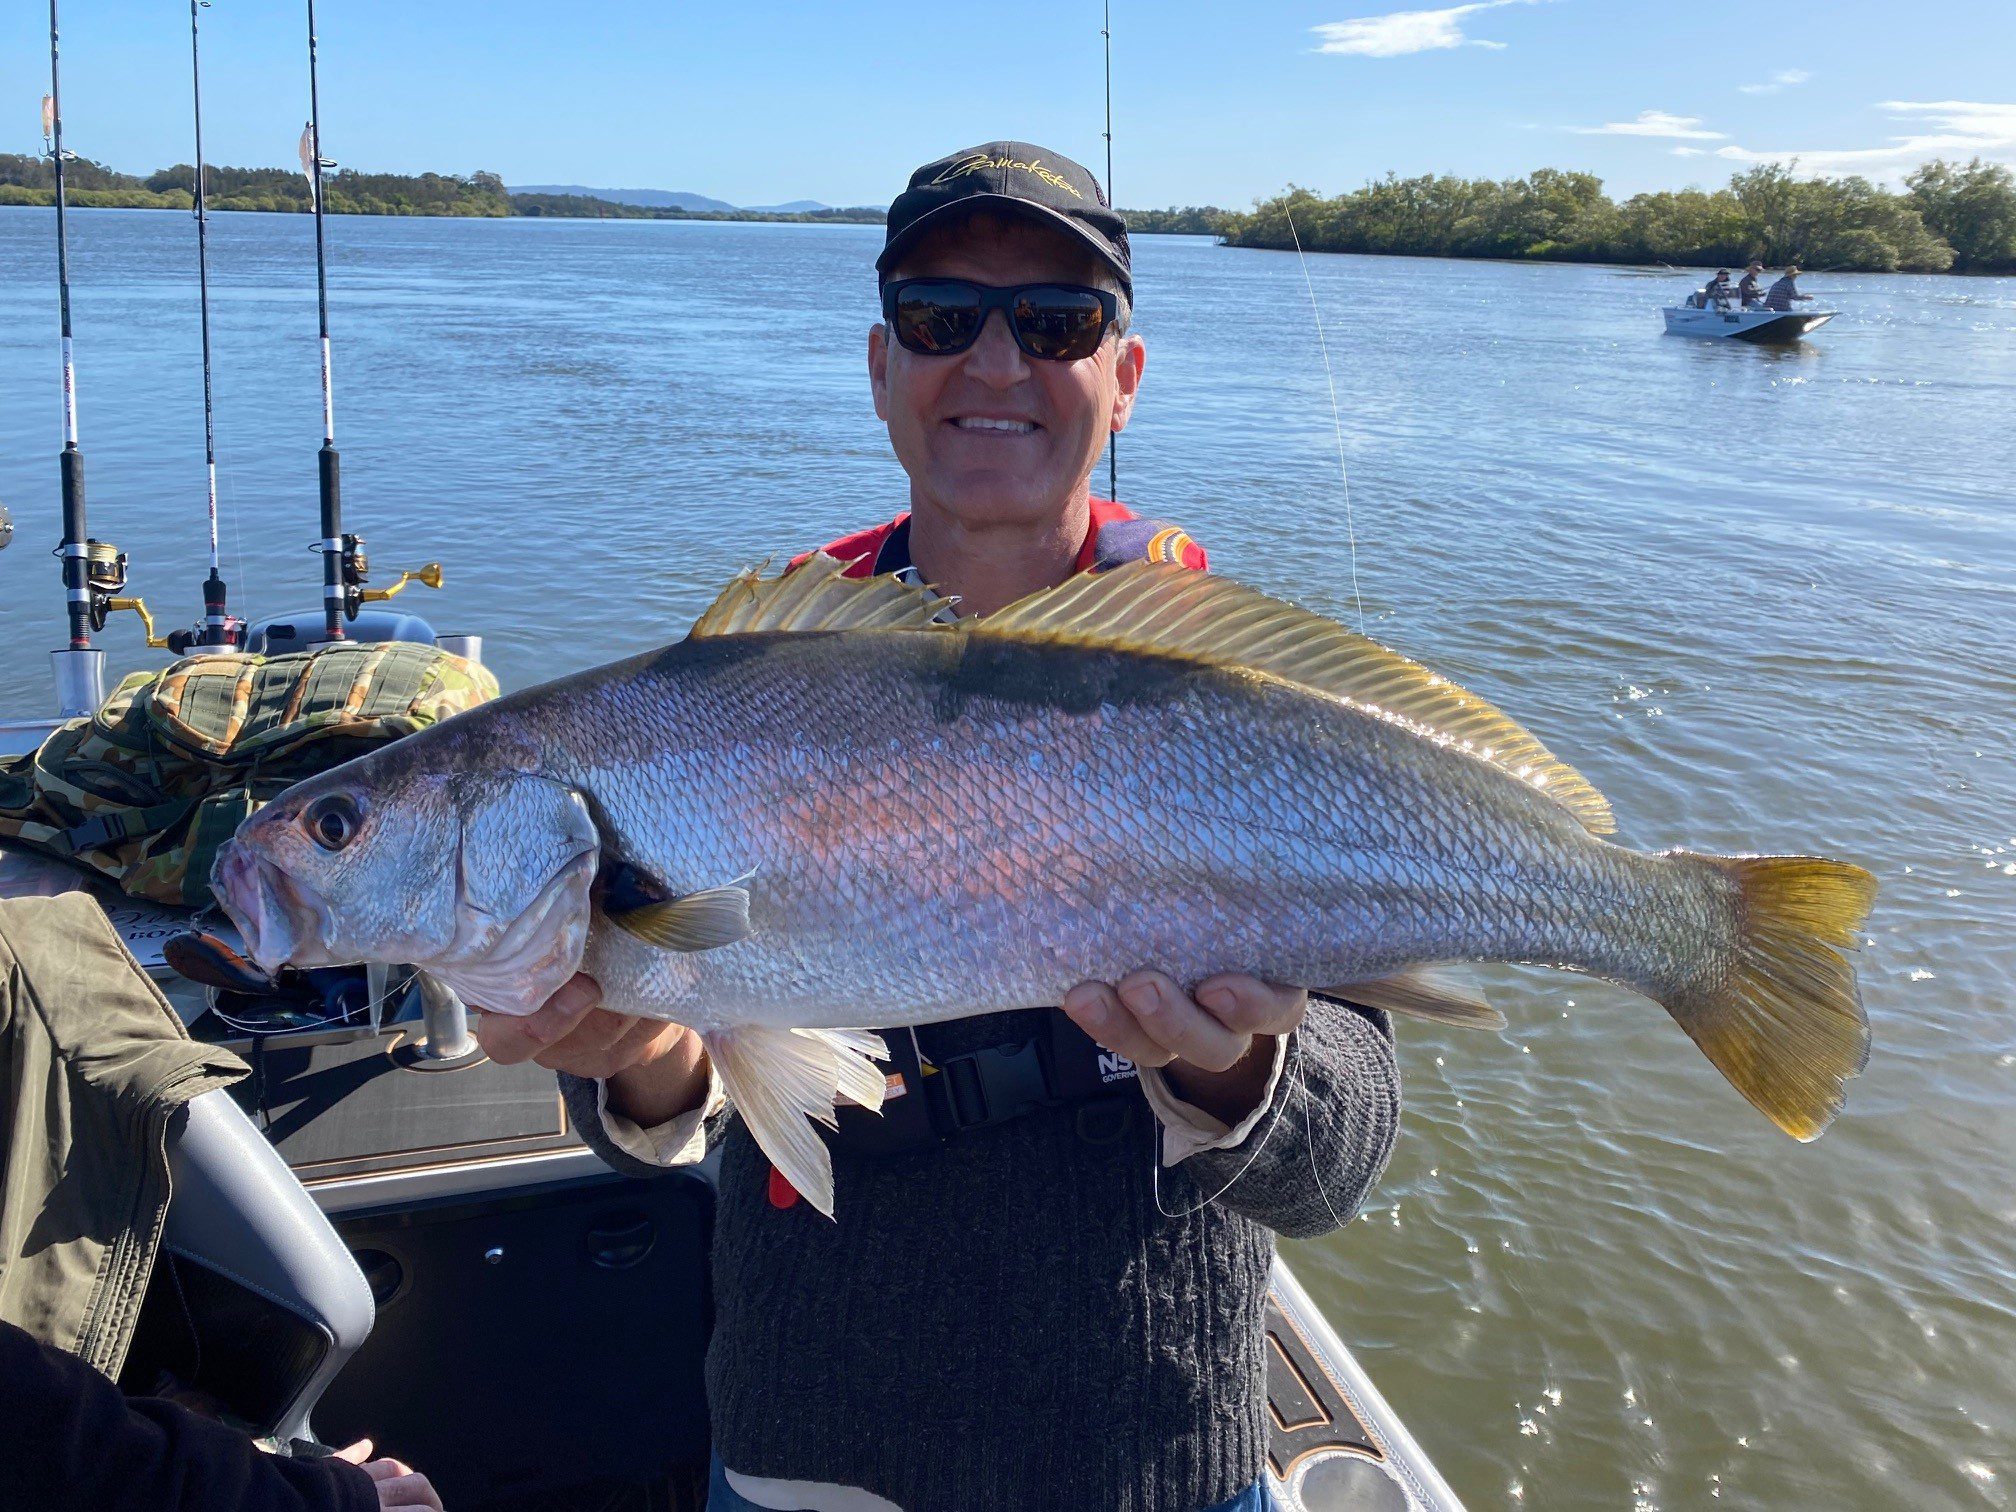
999 431
845 804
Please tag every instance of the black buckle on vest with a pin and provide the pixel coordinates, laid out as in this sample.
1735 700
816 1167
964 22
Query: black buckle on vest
930 1102
988 1086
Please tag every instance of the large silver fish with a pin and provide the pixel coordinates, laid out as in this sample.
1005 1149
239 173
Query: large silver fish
824 812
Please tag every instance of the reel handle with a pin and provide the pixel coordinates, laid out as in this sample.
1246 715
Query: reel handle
429 576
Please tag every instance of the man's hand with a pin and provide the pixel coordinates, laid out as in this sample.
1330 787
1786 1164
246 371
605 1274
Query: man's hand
1216 1048
397 1484
655 1070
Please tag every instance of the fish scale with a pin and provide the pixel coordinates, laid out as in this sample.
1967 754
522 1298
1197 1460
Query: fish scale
875 819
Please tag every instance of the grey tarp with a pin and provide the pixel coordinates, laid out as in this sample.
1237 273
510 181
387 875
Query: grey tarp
93 1064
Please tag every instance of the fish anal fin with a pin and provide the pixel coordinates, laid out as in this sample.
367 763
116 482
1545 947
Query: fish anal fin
817 596
779 1080
1165 610
1446 994
696 921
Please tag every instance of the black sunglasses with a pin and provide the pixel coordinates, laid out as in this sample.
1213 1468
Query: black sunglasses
941 317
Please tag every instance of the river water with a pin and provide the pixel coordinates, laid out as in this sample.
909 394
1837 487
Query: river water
1765 599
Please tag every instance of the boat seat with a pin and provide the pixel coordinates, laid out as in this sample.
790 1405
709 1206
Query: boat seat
255 1303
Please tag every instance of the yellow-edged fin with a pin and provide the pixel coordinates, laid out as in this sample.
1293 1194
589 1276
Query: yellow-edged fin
815 596
1166 610
698 921
1783 1019
1446 994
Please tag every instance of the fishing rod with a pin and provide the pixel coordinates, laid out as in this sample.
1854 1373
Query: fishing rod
345 567
338 551
219 626
93 571
1106 35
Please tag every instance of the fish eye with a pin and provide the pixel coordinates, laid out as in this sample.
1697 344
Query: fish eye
332 821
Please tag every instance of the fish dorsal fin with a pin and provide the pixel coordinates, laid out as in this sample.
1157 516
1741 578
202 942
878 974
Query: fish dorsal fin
1166 610
817 597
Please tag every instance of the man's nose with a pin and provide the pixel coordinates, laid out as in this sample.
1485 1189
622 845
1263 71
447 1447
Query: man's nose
994 358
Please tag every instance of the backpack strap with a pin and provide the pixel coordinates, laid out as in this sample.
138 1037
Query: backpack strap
113 827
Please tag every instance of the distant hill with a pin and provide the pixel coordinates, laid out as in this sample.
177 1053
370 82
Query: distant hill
655 199
790 207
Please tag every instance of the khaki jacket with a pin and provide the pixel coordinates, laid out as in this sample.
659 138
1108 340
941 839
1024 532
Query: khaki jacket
93 1064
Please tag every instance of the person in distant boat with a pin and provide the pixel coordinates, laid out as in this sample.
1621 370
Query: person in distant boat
1715 293
1746 290
1047 1283
1785 291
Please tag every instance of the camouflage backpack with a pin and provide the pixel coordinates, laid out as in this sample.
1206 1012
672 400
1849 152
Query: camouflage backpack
150 786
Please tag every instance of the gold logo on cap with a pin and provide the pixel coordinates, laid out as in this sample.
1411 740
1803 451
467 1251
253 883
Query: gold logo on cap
978 162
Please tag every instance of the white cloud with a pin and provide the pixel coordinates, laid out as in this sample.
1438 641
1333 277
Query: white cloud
1958 128
1690 152
1654 123
1403 32
1785 78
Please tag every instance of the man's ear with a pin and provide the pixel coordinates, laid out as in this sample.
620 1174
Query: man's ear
878 368
1129 363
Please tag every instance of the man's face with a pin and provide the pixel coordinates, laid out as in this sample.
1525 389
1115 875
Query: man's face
1059 413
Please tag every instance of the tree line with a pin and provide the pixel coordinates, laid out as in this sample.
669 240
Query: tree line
26 180
1958 217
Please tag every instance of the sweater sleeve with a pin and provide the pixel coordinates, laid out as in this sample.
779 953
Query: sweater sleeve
632 1150
1308 1163
73 1440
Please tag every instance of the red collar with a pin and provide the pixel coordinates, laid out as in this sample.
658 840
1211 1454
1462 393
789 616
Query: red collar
878 548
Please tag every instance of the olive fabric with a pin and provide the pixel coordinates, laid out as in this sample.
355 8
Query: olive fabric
93 1064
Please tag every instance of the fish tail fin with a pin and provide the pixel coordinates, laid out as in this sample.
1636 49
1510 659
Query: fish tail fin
778 1079
1780 1015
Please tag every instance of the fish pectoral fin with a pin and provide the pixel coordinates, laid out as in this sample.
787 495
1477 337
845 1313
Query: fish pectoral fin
781 1079
1446 994
697 921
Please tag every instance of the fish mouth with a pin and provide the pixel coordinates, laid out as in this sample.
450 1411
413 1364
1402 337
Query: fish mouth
270 910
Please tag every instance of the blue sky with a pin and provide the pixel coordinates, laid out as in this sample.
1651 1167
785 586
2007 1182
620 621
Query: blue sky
756 101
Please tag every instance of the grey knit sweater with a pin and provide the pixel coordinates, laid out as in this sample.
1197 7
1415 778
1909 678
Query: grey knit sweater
1012 1321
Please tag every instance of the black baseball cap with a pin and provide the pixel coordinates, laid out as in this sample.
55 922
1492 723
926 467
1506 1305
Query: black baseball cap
1012 178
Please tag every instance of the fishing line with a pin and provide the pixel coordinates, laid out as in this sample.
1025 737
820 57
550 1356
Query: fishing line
1315 1170
1106 32
395 988
1161 1132
1336 414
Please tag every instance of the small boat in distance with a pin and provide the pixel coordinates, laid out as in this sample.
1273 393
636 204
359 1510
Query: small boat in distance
1756 324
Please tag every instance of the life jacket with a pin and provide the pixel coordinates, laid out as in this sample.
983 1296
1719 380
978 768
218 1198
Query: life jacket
1116 535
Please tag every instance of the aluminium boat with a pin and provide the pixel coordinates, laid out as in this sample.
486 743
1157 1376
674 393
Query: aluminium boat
1756 324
